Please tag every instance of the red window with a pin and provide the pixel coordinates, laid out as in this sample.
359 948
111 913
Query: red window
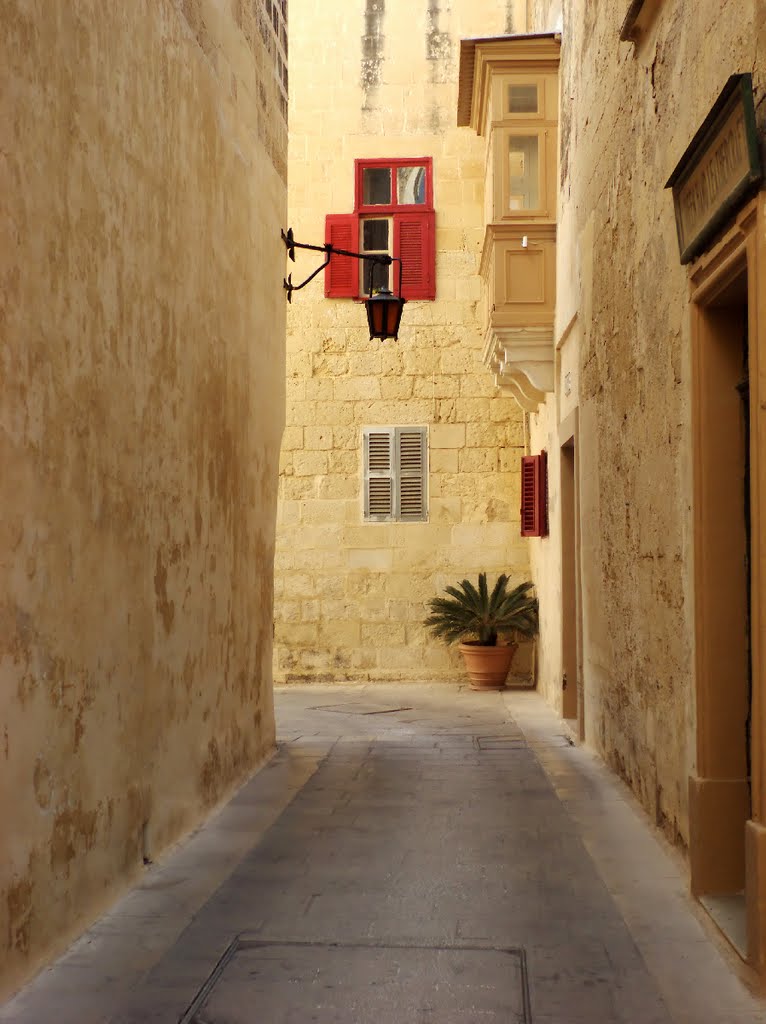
534 495
388 186
393 214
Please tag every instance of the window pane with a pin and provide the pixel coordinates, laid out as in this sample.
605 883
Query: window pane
379 277
377 186
375 236
522 99
411 185
524 163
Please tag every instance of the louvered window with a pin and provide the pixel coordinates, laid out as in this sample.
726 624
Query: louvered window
534 495
394 214
395 468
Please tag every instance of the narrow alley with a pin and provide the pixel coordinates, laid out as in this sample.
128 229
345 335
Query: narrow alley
410 854
309 318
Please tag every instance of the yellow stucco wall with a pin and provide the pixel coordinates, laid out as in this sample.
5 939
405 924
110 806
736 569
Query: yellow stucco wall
371 80
142 189
628 113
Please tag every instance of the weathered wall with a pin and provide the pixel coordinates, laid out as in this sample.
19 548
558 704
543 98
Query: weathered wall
142 188
372 79
627 116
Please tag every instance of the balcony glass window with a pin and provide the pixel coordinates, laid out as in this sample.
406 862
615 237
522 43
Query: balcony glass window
524 166
522 99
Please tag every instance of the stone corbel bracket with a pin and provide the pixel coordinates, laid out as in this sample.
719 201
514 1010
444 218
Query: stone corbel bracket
522 361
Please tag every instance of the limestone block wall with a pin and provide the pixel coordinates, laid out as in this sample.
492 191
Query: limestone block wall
142 189
380 80
628 114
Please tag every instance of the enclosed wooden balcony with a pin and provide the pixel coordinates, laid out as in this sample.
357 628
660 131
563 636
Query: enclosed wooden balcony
509 95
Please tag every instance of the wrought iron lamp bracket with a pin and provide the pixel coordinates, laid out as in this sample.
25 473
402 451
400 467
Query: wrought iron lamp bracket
381 259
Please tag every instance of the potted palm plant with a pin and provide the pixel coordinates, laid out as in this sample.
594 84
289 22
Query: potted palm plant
479 619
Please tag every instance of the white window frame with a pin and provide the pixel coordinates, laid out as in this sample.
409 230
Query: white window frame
394 471
364 273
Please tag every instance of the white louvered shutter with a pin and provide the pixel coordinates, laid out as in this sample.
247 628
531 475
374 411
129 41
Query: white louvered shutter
379 489
411 457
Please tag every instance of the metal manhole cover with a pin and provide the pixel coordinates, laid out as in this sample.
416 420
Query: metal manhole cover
360 709
501 742
275 982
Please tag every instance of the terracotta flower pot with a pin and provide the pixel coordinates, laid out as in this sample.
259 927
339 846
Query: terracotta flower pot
487 667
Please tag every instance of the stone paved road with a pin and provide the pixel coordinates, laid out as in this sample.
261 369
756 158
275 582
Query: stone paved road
431 866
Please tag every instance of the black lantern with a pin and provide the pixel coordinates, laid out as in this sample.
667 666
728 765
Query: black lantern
384 314
384 309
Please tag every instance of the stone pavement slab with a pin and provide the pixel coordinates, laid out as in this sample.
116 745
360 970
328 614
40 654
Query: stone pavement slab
425 854
366 983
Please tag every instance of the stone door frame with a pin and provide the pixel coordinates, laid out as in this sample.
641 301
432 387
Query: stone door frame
727 812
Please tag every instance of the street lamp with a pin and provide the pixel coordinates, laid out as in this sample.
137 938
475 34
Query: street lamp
384 309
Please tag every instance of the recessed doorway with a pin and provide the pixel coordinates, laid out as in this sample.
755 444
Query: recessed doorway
720 793
572 697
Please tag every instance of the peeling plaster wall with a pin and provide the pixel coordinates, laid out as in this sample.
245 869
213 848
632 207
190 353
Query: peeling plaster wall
351 597
628 113
142 189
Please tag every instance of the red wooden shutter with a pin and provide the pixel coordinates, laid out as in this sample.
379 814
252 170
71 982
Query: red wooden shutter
543 494
341 276
534 495
529 488
415 246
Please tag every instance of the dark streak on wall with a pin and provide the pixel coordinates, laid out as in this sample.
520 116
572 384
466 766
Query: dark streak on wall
440 53
372 48
438 43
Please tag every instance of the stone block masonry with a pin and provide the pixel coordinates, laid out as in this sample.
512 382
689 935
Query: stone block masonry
365 586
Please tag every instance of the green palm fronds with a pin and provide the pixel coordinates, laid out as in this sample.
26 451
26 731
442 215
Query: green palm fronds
474 612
